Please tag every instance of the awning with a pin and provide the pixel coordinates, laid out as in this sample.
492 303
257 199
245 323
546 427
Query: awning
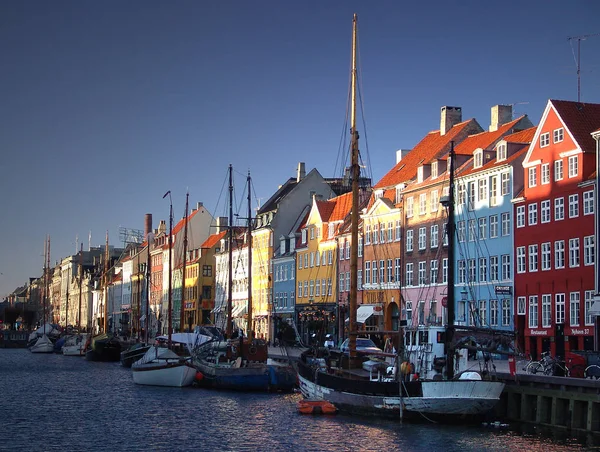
595 309
239 310
217 309
363 313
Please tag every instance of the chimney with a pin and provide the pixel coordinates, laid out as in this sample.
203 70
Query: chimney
301 172
401 153
162 227
450 117
501 114
221 224
147 225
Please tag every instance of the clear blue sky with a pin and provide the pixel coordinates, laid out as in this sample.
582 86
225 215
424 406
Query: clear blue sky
107 105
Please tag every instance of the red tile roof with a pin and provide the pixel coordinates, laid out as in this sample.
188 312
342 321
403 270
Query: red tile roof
484 140
524 136
432 144
179 226
213 239
581 119
493 163
325 209
343 205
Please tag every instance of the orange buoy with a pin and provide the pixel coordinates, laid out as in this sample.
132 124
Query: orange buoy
316 407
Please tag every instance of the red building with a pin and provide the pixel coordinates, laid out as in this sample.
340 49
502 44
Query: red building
554 245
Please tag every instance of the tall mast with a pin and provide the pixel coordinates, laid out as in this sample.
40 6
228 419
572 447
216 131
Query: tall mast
249 327
106 266
80 284
170 294
147 313
354 213
185 242
67 294
45 290
229 328
450 227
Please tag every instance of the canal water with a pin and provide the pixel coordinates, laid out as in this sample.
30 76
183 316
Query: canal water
53 402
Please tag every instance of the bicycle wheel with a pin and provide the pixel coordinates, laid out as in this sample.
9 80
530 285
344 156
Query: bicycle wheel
534 367
592 372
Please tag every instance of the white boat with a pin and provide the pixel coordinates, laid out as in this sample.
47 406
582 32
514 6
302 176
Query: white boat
75 345
161 366
42 345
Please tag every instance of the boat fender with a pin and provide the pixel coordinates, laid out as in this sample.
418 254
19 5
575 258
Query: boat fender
199 376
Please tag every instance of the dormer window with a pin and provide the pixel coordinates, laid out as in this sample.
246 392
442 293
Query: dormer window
303 235
282 246
478 159
420 174
434 170
398 194
501 152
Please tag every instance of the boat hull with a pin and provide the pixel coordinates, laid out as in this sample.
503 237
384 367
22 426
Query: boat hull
73 350
173 374
42 345
130 356
255 377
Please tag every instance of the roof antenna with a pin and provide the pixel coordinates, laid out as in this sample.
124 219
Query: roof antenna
578 58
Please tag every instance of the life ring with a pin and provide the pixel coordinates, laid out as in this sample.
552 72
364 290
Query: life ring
252 350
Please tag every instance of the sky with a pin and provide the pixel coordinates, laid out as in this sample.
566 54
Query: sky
105 106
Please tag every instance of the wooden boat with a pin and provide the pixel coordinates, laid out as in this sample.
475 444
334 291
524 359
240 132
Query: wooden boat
133 354
104 347
75 345
307 406
39 340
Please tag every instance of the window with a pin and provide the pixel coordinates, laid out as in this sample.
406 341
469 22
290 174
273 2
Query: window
505 183
482 269
461 231
347 249
559 209
330 257
520 216
493 191
433 272
472 230
318 259
532 176
494 312
506 312
422 273
381 271
574 298
359 279
390 271
382 233
422 203
560 308
558 170
533 258
305 260
482 228
434 236
342 283
505 224
545 211
478 159
444 270
544 139
434 170
434 202
422 238
532 214
462 272
390 233
588 250
494 268
207 270
521 301
588 203
376 233
483 189
546 265
521 259
461 195
505 267
482 312
408 311
410 205
574 252
409 274
409 240
299 289
312 288
312 232
573 165
558 135
573 206
501 152
360 247
559 254
546 310
472 195
374 272
368 235
545 173
312 257
533 311
472 270
589 300
493 226
398 231
367 272
445 235
305 289
397 270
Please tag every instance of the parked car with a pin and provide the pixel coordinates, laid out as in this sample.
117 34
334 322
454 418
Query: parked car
363 344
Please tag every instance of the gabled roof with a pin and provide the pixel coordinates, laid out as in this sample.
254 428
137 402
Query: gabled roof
484 140
325 209
430 146
581 119
343 205
213 239
179 226
524 136
494 163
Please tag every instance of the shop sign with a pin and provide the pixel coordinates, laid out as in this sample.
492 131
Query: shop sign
580 331
503 290
539 332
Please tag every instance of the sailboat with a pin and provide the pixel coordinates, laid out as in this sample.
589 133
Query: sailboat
105 346
162 366
43 344
354 384
75 344
240 363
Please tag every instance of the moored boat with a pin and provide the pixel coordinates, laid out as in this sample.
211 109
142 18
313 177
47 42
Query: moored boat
307 406
161 366
133 354
75 345
104 347
42 345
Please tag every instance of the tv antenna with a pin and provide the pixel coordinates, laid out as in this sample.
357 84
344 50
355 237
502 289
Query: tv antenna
578 58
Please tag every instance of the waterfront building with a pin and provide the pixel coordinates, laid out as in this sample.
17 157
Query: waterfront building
53 301
555 234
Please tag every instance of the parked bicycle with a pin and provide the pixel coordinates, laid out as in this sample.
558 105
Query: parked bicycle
548 365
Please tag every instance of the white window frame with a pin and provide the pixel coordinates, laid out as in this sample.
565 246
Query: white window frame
520 216
558 170
545 173
559 209
588 202
532 178
558 134
545 211
573 166
545 139
546 256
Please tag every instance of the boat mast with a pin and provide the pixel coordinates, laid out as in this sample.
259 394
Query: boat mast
230 262
249 327
354 213
46 265
170 295
147 322
185 242
450 226
106 266
67 304
80 284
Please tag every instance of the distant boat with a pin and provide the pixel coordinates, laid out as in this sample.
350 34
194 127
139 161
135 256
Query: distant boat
42 345
39 340
104 347
133 354
75 345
